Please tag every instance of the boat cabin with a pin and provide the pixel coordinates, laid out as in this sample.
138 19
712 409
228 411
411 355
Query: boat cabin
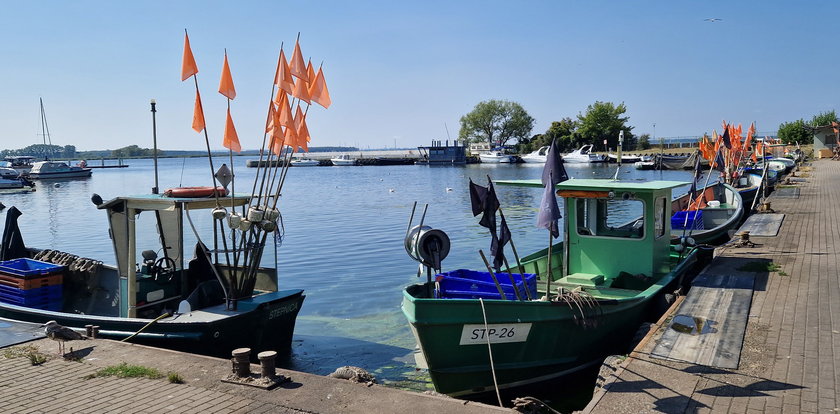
617 233
157 257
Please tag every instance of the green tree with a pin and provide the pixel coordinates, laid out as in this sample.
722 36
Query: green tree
496 122
603 121
796 131
643 142
824 118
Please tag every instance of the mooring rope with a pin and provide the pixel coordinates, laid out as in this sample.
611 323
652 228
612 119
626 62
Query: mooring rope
490 352
146 326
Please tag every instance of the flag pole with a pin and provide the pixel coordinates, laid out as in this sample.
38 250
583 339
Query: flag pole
493 276
548 279
512 246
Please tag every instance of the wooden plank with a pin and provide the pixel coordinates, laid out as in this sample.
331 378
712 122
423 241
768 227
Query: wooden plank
763 225
785 192
710 324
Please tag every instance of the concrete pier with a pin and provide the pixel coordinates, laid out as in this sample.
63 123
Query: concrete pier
63 385
790 358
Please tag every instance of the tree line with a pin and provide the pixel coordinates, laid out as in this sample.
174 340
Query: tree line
498 122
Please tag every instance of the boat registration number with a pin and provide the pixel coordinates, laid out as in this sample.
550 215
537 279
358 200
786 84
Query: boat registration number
496 333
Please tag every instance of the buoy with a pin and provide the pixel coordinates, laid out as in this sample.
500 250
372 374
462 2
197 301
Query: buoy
448 189
194 192
391 190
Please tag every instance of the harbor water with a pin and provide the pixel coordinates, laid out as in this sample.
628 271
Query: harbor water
343 241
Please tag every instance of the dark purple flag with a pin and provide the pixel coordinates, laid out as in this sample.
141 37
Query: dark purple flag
553 173
497 246
726 142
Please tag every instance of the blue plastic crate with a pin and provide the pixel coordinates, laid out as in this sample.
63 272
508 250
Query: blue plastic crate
694 220
30 297
28 267
470 284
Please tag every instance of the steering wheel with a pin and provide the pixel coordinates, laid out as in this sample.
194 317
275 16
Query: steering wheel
164 264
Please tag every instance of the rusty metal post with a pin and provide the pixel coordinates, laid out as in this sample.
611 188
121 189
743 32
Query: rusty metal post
94 331
241 362
267 364
89 331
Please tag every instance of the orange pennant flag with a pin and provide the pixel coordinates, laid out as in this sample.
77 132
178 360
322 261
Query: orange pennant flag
284 113
269 120
319 92
300 126
291 139
298 67
188 66
231 140
310 73
283 78
301 91
226 83
198 114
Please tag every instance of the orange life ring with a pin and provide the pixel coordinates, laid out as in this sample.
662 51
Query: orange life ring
195 192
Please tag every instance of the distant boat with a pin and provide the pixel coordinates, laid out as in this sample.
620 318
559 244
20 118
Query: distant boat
583 155
11 180
343 160
495 157
719 212
625 159
22 163
57 169
536 157
304 162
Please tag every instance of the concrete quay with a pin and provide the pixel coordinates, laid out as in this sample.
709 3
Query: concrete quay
60 385
790 358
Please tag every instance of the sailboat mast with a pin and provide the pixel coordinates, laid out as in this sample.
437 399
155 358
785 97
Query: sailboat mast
45 129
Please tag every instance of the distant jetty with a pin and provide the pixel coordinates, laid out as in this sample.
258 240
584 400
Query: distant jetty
378 157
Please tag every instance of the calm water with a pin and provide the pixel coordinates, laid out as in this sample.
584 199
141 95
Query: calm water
343 242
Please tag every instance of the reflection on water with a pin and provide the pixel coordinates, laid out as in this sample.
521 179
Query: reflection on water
343 242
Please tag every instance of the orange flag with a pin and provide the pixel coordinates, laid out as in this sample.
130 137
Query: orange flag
319 92
300 126
283 78
231 140
310 73
188 66
298 67
198 114
301 91
284 113
291 139
226 83
269 120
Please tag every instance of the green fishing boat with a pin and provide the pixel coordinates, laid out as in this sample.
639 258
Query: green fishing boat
615 261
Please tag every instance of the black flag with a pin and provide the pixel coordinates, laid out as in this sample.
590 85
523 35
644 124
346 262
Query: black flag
553 173
725 136
13 247
497 246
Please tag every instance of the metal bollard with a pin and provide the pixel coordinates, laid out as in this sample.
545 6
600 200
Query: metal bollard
89 330
267 364
94 331
241 362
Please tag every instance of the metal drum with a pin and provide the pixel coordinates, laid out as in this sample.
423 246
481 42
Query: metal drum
427 245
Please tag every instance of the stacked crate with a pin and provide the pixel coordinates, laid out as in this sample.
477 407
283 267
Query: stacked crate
31 283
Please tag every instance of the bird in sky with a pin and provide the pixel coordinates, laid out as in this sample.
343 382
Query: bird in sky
712 19
61 334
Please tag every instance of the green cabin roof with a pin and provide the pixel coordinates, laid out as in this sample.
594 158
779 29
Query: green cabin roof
593 184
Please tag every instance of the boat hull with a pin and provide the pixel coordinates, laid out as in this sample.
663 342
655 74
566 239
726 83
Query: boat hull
85 172
549 339
264 322
718 221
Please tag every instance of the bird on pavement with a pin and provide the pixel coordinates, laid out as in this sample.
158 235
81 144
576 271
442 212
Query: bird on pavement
61 334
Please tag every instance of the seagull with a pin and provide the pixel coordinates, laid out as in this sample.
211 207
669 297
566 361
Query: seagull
61 334
713 19
448 189
391 190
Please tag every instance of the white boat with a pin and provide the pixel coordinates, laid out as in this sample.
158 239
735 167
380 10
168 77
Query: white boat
22 163
583 155
343 160
10 179
57 169
536 157
495 157
304 162
625 159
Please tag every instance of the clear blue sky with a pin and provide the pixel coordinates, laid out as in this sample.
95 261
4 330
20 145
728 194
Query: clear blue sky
398 71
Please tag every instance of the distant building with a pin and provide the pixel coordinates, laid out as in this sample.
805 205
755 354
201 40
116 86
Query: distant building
479 147
824 138
438 153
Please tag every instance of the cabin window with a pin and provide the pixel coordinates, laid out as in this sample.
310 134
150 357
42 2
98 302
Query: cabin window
610 218
659 215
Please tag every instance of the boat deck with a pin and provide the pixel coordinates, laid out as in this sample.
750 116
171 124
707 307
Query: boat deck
790 358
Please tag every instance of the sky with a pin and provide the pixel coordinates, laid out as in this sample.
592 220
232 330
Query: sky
402 73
